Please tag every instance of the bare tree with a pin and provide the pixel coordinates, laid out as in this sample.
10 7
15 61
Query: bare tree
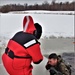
53 1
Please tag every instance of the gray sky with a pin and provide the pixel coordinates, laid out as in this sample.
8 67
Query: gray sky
29 2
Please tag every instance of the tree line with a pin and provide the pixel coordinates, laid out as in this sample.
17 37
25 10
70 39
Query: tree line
44 6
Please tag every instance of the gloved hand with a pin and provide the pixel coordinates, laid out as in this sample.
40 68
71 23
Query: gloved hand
53 71
48 66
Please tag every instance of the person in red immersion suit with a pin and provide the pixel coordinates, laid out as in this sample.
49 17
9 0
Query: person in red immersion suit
23 48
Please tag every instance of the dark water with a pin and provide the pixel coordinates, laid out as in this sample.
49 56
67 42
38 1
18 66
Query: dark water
69 58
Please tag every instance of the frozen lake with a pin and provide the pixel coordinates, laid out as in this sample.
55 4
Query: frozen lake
53 24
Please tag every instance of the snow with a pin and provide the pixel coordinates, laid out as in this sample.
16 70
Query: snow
57 23
43 12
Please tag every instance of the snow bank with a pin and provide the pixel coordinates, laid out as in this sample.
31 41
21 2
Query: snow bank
44 12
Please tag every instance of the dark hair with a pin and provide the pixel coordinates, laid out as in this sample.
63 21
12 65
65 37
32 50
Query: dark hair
38 31
53 56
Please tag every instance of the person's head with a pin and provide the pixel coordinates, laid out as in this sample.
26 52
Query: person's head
38 32
53 59
30 27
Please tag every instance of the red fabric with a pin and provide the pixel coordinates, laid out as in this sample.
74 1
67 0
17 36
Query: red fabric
17 66
21 66
35 53
30 27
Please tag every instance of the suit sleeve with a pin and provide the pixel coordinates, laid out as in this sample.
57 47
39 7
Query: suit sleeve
35 52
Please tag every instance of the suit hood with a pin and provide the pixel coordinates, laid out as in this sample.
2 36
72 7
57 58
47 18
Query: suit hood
28 25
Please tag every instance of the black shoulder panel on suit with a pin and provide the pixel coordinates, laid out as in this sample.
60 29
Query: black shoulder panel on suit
25 39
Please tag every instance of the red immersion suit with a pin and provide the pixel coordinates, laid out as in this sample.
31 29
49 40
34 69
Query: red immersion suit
22 49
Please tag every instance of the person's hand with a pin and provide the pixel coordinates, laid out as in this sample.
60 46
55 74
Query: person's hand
48 66
53 71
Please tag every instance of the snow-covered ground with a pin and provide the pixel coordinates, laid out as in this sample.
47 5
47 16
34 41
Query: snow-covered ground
43 12
53 22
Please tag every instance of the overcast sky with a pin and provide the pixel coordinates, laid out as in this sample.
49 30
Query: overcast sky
29 2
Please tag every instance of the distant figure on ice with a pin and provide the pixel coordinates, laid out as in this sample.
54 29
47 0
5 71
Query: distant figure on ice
23 48
57 66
